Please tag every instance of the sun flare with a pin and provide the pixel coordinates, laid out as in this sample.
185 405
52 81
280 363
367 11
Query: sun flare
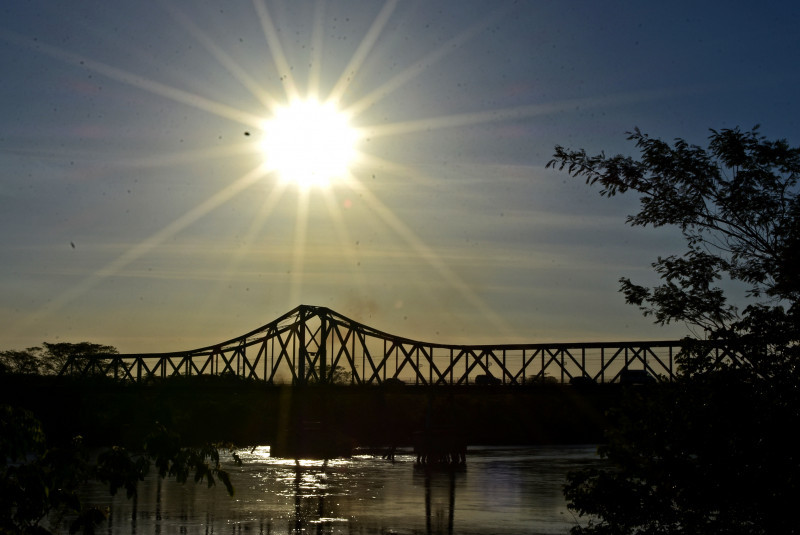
298 136
309 143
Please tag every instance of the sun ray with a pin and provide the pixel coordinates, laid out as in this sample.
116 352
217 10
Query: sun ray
428 255
171 159
420 66
343 235
364 48
409 174
231 65
298 254
188 156
275 49
317 45
256 226
151 86
506 114
143 247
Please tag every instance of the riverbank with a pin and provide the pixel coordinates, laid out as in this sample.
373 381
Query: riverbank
220 409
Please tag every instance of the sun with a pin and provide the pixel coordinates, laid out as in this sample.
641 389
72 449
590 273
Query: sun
309 143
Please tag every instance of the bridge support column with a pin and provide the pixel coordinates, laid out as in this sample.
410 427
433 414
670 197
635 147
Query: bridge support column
322 355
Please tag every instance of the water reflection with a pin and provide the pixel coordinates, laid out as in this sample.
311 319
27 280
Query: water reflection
502 490
310 486
440 498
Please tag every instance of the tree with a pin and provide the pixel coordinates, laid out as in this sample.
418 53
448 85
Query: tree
49 359
333 376
39 481
23 362
708 454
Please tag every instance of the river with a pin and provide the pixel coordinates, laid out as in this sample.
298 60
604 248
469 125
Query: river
503 490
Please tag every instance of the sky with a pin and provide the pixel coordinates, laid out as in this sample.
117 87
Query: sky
136 208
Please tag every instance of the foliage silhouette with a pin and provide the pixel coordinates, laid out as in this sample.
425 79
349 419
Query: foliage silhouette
334 376
708 454
40 483
49 359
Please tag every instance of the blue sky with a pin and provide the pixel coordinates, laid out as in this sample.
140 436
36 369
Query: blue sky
133 213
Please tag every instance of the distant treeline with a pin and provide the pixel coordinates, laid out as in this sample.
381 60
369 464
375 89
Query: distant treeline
229 409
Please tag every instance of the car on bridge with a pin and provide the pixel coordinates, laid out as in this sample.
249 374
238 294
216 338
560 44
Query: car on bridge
582 380
487 379
635 377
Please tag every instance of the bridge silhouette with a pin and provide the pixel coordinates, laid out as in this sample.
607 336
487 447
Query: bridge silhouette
312 344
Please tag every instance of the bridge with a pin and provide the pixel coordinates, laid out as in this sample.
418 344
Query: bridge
312 344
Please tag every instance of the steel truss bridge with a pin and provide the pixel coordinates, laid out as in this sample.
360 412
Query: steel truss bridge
312 344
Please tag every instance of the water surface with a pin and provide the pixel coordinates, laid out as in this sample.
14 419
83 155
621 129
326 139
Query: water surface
503 490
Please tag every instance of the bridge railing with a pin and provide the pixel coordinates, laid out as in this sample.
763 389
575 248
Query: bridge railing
316 345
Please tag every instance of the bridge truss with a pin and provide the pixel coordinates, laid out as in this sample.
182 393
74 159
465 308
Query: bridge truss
311 344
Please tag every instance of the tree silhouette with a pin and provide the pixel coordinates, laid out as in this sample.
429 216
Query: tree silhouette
707 454
49 359
40 483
